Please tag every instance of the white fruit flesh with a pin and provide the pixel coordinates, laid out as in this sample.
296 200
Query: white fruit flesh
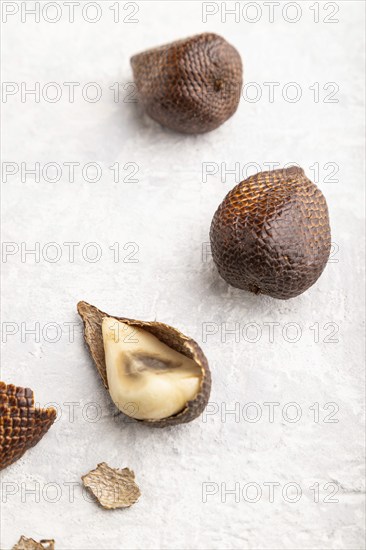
147 379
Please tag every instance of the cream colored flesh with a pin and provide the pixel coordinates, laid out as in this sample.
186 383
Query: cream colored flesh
147 379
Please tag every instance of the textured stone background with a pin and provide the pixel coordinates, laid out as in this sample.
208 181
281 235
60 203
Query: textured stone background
167 213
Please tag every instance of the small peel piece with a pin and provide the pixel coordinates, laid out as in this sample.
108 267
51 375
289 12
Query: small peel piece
112 487
30 544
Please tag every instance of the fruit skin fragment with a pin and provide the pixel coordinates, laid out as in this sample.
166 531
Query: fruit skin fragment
93 319
21 424
30 544
112 487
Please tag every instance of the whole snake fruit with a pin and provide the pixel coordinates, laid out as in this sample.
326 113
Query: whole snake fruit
192 85
271 234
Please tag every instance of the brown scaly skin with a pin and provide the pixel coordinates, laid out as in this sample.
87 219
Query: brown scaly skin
271 234
192 85
92 318
21 425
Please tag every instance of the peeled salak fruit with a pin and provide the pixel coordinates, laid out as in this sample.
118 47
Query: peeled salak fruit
153 372
271 234
192 85
21 424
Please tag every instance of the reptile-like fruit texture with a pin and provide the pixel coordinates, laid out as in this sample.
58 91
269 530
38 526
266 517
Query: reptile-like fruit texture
92 318
192 85
21 424
271 234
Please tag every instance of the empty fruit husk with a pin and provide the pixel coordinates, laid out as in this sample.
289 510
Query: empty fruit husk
21 424
271 234
153 372
192 85
112 487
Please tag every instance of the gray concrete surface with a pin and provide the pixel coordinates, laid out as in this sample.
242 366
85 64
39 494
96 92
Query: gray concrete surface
291 371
